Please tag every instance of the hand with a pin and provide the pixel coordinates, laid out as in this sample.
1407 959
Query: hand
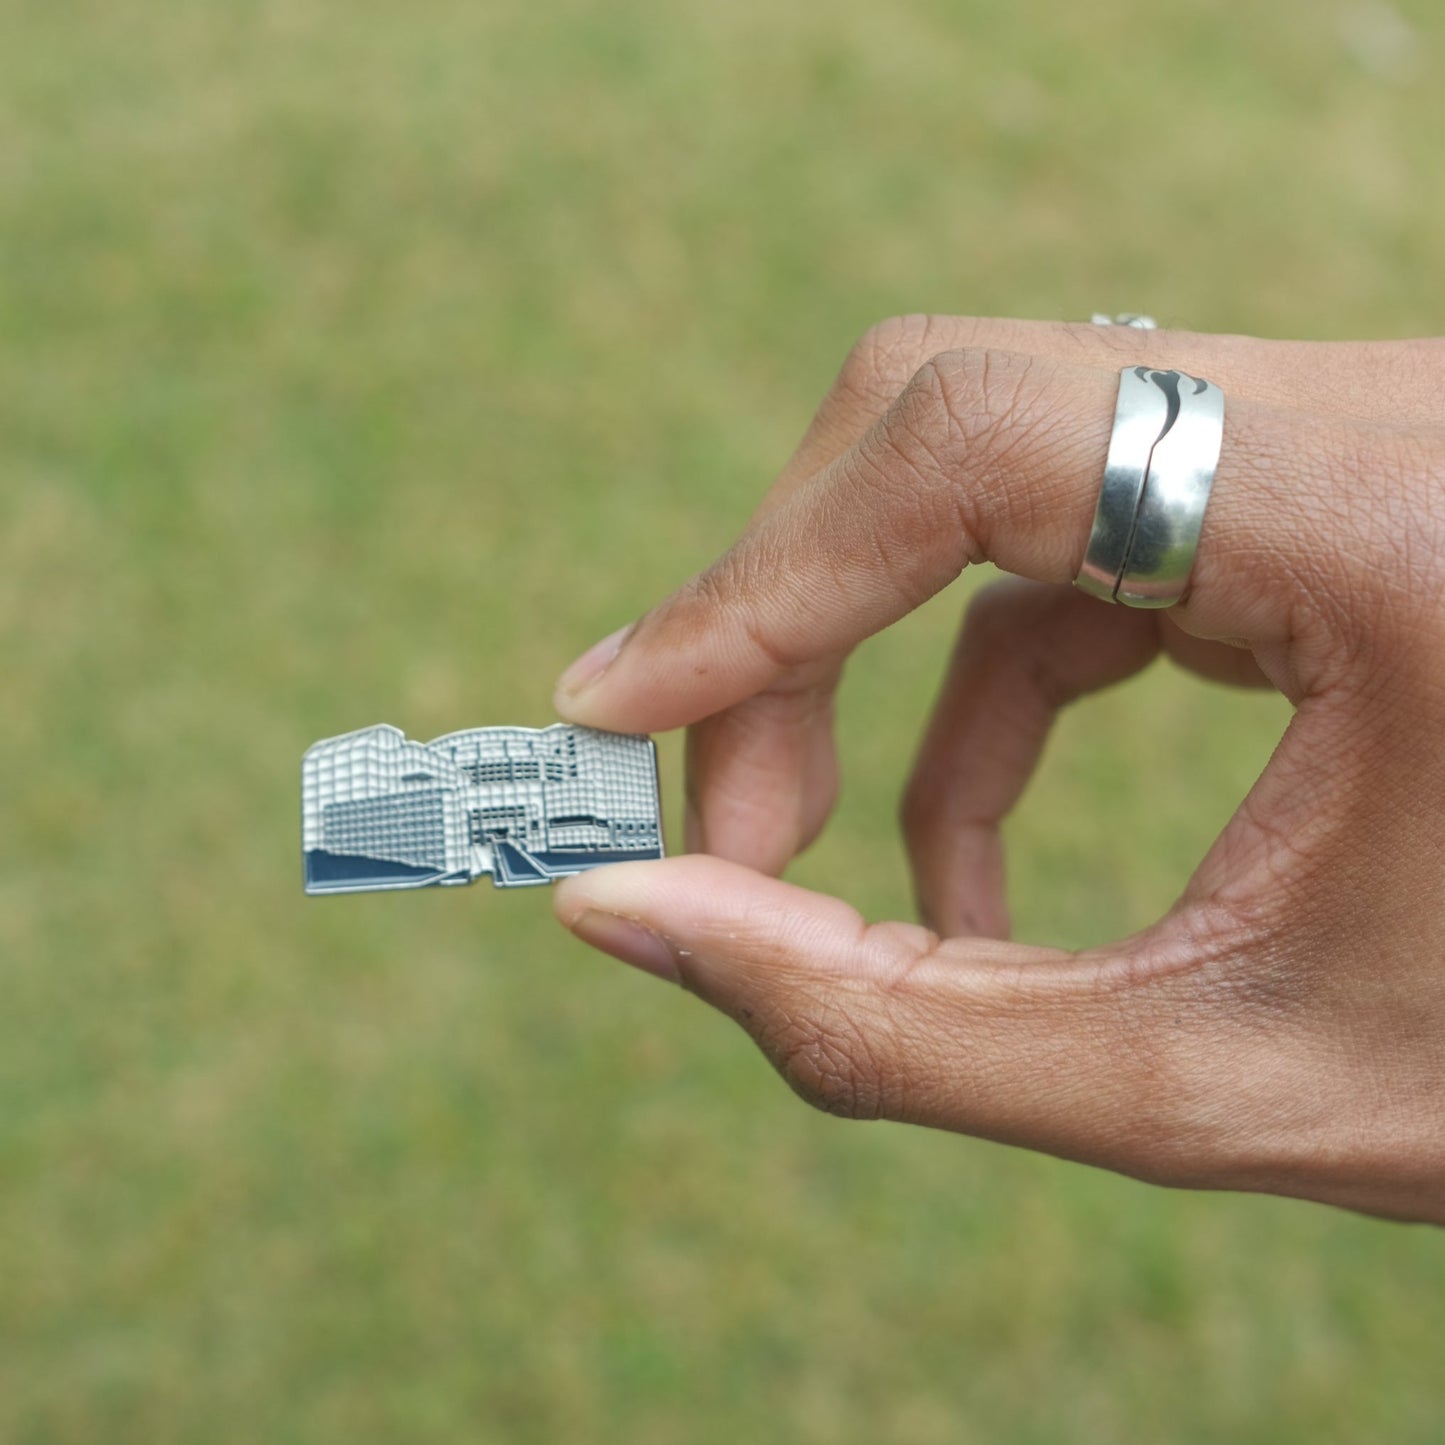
1283 1027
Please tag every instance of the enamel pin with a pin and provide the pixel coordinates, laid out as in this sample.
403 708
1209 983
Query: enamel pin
527 805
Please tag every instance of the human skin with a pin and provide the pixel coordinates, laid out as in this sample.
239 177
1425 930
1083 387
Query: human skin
1282 1028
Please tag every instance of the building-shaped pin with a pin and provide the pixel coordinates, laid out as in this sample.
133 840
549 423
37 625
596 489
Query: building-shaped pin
526 805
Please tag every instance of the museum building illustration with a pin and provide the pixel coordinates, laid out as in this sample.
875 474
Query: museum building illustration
526 805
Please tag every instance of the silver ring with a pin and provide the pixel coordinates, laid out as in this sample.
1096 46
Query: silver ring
1168 429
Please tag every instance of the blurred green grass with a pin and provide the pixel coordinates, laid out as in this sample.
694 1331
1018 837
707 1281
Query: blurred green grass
364 363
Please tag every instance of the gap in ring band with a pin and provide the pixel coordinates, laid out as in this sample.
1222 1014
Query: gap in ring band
1127 551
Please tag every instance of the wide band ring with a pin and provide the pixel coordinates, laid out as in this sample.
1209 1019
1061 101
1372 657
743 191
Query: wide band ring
1168 430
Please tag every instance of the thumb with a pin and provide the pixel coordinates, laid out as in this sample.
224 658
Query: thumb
1109 1057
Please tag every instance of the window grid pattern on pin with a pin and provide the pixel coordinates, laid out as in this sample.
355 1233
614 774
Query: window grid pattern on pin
522 804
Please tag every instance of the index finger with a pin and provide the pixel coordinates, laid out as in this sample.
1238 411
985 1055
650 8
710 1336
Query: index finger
986 455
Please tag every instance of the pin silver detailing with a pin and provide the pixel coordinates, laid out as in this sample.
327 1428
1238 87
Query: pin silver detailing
527 805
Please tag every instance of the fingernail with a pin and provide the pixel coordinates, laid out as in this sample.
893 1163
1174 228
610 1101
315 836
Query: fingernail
628 940
593 663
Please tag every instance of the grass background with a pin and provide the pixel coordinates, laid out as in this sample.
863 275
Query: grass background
363 362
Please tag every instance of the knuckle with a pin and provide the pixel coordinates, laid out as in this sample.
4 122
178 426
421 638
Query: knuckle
987 396
736 589
882 360
976 437
1001 414
685 617
716 588
914 541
